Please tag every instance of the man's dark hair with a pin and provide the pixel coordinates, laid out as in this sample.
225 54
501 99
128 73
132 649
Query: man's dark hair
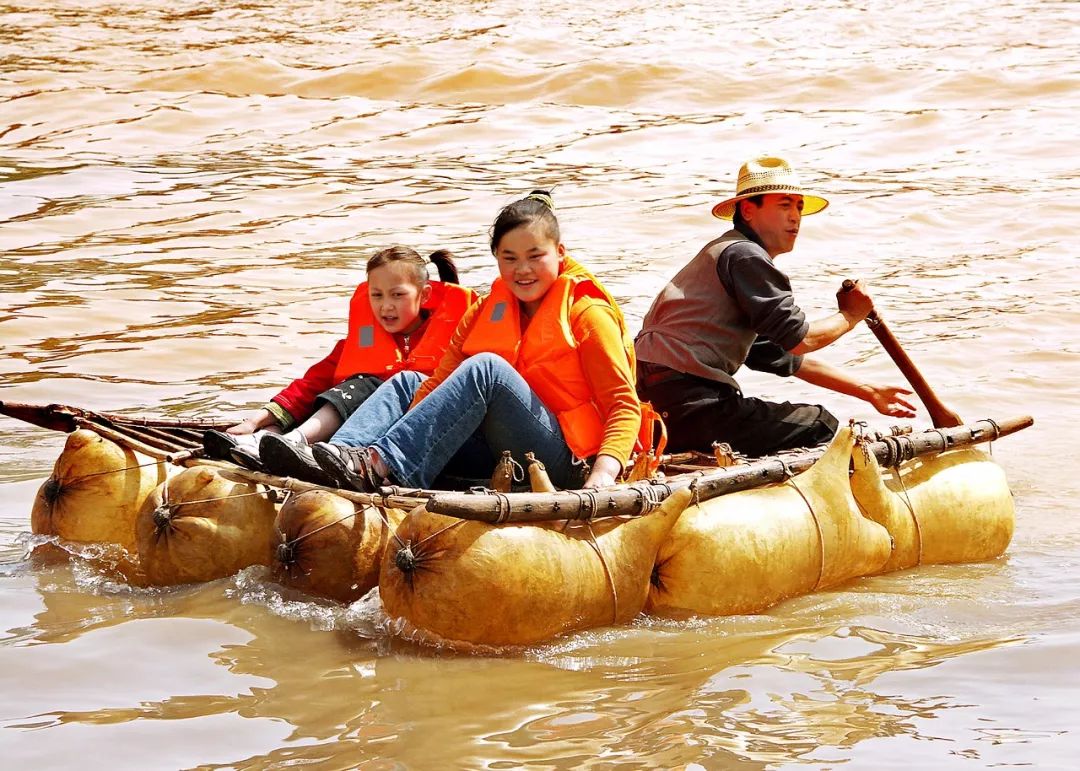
741 224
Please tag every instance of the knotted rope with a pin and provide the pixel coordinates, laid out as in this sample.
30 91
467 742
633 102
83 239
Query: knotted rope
286 550
587 504
165 510
113 471
911 510
651 496
997 434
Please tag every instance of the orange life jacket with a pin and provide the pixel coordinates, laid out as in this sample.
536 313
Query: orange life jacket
546 356
371 350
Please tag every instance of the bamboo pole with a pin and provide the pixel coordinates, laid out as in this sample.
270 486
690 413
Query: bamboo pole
642 497
385 499
123 439
61 417
149 437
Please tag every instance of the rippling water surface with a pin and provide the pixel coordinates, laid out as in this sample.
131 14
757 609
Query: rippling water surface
188 192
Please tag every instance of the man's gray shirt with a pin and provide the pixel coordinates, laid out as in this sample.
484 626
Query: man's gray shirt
728 306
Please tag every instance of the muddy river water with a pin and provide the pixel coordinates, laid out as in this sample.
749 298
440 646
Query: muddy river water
189 190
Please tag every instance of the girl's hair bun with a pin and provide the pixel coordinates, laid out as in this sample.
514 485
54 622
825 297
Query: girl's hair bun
543 196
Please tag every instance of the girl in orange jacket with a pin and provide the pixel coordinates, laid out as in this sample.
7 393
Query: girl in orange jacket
543 364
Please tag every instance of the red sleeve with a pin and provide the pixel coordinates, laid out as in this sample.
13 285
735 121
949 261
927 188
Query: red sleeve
298 398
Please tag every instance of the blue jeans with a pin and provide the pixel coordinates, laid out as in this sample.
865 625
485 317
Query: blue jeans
481 409
380 411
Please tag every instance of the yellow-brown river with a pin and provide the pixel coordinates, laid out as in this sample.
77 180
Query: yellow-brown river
189 190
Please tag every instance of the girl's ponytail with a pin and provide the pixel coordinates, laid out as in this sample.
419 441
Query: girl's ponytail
443 259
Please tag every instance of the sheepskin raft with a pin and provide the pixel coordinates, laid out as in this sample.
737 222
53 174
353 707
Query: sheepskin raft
707 535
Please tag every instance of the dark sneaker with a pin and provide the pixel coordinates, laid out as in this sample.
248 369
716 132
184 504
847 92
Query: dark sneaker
292 459
218 444
242 456
347 466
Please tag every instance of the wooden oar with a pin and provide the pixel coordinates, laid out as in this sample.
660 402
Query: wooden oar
941 415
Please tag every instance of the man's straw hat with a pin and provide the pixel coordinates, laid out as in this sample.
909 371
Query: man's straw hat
768 174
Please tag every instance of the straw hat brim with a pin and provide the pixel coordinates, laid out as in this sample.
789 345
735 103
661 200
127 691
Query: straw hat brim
812 204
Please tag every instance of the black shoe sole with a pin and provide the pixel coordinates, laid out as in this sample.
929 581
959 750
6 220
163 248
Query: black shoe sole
248 460
218 444
282 457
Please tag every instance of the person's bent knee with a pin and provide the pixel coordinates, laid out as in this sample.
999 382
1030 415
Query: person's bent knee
407 378
488 366
486 359
825 426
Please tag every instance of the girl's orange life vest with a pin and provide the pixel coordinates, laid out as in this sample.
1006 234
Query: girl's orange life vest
371 350
546 356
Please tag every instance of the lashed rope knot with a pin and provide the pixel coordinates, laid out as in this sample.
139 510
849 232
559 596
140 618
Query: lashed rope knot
897 450
997 434
695 491
162 517
405 559
651 496
51 491
587 503
286 553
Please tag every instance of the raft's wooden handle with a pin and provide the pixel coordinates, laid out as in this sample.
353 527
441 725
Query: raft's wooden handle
941 415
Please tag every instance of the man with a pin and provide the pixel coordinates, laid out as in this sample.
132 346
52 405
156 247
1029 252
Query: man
730 306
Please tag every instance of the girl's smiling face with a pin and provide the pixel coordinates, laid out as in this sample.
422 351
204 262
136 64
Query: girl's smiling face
529 262
396 298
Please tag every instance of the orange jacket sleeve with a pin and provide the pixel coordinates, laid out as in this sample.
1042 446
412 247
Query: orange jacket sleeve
604 362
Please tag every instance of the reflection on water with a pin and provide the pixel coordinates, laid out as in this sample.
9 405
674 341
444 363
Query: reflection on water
188 195
754 691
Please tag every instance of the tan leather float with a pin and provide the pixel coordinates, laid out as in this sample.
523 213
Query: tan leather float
746 551
520 584
200 526
952 507
95 492
329 546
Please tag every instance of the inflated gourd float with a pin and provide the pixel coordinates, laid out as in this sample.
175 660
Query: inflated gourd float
520 584
952 507
742 552
95 492
329 546
200 526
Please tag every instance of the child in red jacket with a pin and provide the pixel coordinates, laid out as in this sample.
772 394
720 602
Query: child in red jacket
398 320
